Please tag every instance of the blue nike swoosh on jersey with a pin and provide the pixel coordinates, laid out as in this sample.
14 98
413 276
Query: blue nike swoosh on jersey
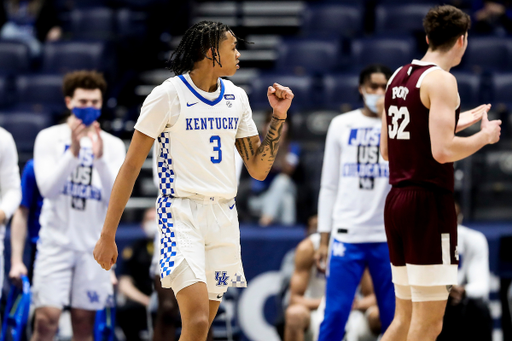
189 105
231 207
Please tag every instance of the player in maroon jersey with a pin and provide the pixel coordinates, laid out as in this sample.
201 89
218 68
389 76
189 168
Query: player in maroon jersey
418 136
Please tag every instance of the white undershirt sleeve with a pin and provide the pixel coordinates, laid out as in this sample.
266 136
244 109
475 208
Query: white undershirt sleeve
9 177
330 179
52 171
478 273
108 170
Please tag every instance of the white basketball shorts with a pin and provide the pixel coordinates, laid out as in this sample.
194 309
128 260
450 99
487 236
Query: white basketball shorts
63 277
204 232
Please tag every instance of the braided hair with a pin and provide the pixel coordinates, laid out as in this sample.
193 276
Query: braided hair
195 44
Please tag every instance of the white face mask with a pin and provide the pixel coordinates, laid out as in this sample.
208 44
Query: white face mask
151 228
371 101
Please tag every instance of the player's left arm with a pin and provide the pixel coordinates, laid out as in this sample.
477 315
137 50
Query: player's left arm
470 117
304 260
10 182
384 129
259 156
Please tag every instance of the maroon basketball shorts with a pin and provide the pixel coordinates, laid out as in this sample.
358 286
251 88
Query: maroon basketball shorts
421 227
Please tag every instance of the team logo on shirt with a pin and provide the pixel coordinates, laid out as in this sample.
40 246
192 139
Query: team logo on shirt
93 296
229 104
366 167
221 278
79 185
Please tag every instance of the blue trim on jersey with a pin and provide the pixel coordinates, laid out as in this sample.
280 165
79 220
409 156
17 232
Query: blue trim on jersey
212 103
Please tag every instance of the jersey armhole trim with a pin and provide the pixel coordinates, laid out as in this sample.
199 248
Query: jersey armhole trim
425 73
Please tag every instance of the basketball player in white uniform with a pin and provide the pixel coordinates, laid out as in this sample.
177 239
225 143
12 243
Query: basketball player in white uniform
10 187
197 118
75 164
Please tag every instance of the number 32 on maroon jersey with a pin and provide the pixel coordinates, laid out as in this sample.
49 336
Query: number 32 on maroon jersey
396 130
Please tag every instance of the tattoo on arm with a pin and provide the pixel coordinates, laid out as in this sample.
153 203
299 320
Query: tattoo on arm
271 141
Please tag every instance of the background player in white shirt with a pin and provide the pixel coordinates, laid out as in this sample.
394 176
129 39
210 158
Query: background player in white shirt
75 167
10 188
351 205
197 118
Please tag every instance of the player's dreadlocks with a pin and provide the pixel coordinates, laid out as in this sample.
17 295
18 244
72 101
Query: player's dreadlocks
195 44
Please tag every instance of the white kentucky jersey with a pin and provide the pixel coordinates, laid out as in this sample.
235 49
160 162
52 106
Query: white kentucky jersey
355 180
316 284
76 191
195 132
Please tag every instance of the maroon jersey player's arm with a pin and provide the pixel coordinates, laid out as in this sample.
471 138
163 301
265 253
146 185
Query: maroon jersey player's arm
439 93
384 135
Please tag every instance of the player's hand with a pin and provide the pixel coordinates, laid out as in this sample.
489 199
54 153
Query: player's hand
321 257
77 132
97 141
17 270
491 128
457 294
470 117
280 99
105 252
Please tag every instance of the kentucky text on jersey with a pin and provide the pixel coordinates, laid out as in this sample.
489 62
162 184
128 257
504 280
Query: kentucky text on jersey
210 123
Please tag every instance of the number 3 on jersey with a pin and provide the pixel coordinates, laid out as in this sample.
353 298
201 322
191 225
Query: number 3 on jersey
395 130
213 139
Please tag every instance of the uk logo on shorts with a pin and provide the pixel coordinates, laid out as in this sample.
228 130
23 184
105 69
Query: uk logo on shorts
221 278
93 296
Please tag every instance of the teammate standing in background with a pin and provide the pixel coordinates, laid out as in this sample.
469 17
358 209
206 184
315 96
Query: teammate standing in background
418 135
75 165
10 188
352 195
25 219
197 118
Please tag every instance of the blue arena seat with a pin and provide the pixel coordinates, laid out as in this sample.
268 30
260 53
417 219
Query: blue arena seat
390 51
62 57
131 23
93 23
469 85
14 57
6 96
488 53
400 18
501 87
302 87
24 127
40 92
333 19
308 55
341 89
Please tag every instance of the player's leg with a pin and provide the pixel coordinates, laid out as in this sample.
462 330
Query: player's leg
399 328
91 290
82 322
346 266
167 314
50 290
296 322
396 203
427 316
380 272
195 312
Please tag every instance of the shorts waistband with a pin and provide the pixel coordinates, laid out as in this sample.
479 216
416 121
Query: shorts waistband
420 186
206 199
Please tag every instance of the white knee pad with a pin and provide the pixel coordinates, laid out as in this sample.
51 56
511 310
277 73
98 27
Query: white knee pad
433 293
403 292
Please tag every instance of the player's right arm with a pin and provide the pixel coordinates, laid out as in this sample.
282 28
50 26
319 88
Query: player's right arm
384 129
439 94
18 238
105 251
299 282
328 191
152 121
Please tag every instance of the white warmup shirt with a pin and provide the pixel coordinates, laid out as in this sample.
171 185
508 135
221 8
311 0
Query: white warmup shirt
10 187
355 180
195 132
76 191
474 271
